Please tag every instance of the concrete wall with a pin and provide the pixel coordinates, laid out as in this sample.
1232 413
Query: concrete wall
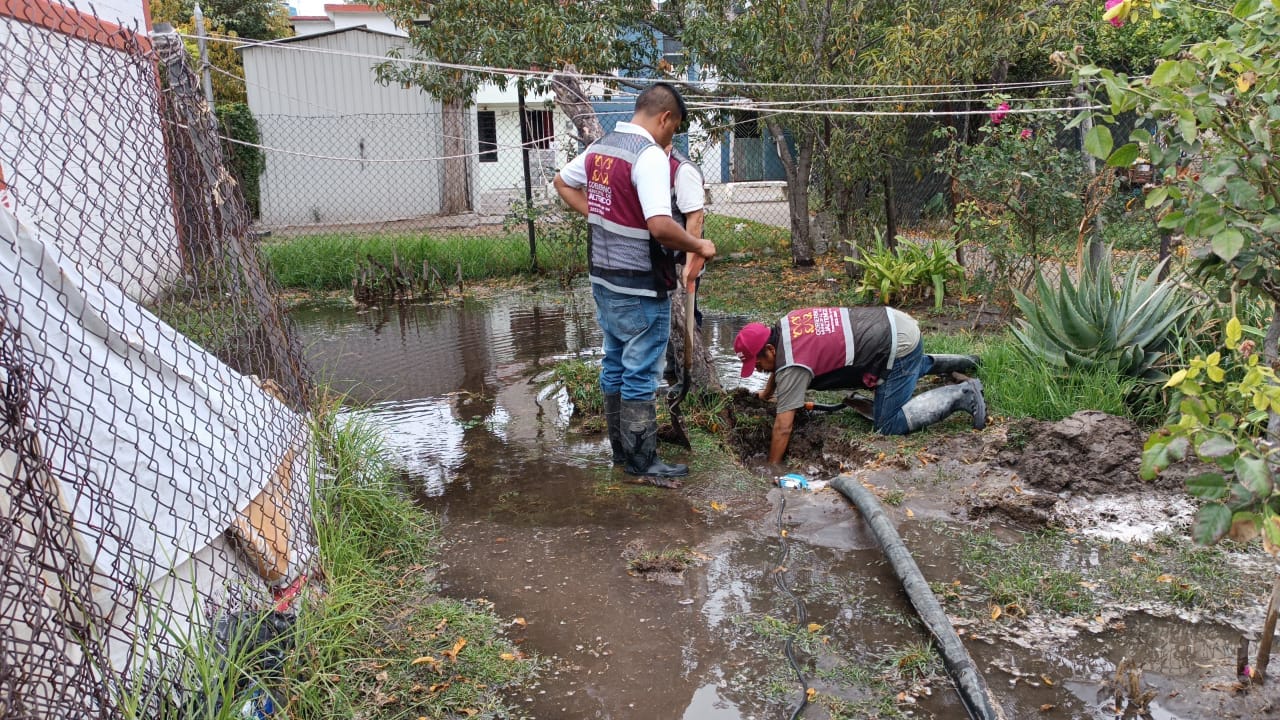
496 183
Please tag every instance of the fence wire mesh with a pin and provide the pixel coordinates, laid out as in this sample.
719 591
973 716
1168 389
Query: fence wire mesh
154 445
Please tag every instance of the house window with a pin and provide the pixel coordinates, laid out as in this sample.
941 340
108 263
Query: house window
672 50
487 133
541 129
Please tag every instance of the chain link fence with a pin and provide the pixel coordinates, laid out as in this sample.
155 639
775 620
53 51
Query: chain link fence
154 450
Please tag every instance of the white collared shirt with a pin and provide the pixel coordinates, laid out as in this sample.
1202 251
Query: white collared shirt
650 174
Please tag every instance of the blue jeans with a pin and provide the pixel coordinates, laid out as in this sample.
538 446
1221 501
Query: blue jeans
636 330
897 389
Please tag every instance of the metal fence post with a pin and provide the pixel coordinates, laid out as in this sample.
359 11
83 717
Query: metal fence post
205 75
525 139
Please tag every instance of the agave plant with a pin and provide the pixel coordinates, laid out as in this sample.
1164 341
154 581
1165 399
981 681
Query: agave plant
1095 324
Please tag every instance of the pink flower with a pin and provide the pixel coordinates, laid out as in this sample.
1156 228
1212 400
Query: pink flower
1116 21
1001 111
1025 134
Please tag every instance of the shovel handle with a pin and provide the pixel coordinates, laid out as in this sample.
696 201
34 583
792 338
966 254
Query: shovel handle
693 266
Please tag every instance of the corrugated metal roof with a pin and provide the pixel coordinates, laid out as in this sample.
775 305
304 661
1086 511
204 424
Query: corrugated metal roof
313 36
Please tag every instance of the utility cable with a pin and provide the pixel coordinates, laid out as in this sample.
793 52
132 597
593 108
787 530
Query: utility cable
802 616
544 74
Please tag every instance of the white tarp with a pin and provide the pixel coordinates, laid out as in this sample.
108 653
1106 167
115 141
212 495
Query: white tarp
165 444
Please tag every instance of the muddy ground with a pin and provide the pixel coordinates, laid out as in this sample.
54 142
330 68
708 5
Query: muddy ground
1076 478
1056 564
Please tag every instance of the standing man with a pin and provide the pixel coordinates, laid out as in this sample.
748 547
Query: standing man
622 183
688 199
851 348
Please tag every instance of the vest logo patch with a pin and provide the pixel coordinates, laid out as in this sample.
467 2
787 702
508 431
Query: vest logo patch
818 322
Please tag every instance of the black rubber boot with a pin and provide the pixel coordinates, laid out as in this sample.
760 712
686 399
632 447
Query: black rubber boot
934 406
613 419
640 442
947 364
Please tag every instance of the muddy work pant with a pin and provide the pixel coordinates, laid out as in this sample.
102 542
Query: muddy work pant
894 390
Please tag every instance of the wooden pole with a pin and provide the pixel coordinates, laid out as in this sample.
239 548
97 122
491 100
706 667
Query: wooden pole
1268 631
228 217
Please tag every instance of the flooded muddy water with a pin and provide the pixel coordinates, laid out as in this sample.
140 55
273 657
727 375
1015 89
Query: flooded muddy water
537 522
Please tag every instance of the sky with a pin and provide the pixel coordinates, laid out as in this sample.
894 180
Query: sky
307 7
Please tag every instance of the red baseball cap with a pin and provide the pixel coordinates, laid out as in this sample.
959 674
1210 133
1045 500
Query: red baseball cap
750 341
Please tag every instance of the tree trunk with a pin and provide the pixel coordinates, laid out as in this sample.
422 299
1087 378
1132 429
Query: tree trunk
890 211
1270 353
797 168
567 86
703 372
455 195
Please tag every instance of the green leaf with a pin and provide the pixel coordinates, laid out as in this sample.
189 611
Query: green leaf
1215 446
1254 474
1234 332
1227 244
1239 497
1245 8
1098 142
1211 524
1156 197
1166 71
1210 486
1123 155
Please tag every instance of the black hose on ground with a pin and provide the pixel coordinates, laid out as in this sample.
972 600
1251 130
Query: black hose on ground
960 666
802 617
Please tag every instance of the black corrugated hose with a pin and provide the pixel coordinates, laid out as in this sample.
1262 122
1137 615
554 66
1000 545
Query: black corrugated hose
960 666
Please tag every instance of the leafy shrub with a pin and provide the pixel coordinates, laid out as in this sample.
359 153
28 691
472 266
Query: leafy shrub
1024 198
1095 325
1223 410
560 235
909 271
246 163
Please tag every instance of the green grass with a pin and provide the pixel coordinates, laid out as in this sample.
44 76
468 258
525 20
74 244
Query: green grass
1169 569
1016 387
328 261
370 612
1024 577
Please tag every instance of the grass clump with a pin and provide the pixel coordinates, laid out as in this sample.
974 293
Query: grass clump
329 261
1169 569
581 380
1016 386
369 639
1024 577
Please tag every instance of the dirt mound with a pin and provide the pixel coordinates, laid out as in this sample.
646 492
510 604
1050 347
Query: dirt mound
1090 452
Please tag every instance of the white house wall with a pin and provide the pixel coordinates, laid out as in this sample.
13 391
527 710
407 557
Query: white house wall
88 164
495 184
129 14
313 104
